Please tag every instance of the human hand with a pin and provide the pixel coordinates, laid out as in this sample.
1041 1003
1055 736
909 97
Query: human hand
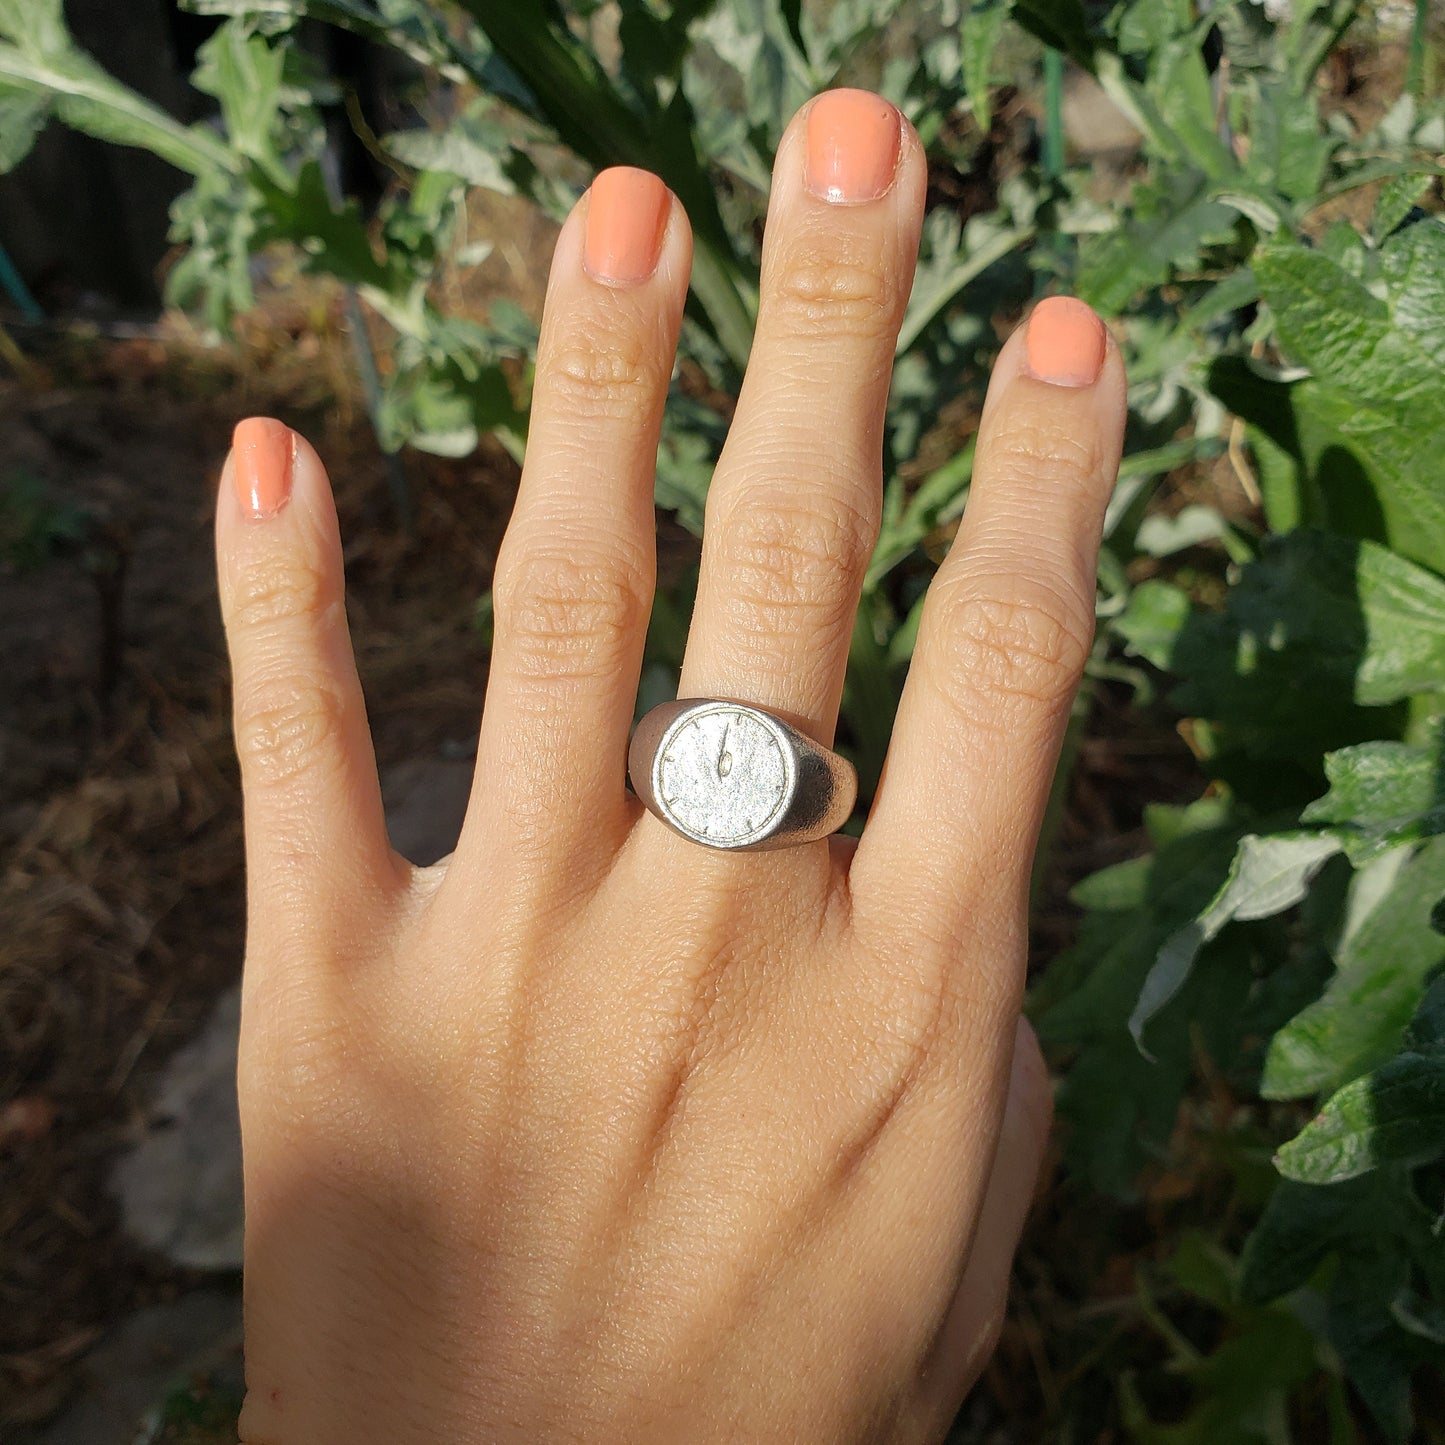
590 1133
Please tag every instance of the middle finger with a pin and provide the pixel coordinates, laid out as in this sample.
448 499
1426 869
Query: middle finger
793 512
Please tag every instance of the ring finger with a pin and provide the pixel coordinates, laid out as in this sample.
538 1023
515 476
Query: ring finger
793 512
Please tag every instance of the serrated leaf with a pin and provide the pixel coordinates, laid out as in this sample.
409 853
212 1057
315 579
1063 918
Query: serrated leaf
1175 218
1268 875
1288 151
334 240
1381 970
1382 795
1394 1115
1396 200
1376 361
243 72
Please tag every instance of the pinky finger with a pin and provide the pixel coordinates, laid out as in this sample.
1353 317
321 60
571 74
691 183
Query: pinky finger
315 832
966 1343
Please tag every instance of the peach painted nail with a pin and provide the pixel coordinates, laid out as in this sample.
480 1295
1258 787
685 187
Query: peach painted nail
854 138
262 450
626 222
1064 343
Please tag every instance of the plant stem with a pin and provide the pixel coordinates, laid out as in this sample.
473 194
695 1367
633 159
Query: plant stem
18 291
16 359
1415 74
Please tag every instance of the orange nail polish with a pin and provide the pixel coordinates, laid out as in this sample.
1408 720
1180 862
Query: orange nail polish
262 451
626 222
854 138
1065 342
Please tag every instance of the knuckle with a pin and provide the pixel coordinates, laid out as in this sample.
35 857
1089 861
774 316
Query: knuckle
608 373
838 295
286 727
785 563
1033 451
279 589
568 614
1024 650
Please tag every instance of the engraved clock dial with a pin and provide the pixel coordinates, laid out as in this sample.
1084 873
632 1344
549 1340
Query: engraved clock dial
723 776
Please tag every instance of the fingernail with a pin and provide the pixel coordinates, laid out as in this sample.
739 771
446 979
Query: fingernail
262 451
1064 343
626 222
854 138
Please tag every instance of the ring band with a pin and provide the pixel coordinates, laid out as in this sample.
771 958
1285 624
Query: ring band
732 776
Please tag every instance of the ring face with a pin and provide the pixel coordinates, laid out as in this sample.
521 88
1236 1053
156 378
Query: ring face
724 774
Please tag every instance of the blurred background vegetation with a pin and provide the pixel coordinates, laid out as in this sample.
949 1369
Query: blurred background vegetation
1239 924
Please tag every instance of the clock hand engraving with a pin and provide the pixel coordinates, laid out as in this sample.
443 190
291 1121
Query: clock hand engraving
725 758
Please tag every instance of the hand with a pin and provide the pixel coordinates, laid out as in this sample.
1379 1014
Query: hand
589 1133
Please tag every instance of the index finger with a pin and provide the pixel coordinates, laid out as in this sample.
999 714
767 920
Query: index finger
1006 630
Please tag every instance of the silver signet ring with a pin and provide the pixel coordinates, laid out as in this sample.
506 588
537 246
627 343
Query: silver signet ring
729 775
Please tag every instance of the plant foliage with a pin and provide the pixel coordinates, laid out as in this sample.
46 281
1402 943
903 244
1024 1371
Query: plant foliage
1281 939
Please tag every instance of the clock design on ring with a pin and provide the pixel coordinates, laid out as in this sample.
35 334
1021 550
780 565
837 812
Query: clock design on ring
723 774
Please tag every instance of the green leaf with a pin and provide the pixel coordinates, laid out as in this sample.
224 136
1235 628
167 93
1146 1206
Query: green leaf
1175 217
334 241
1156 614
1376 360
23 115
1064 24
454 152
953 256
1288 152
244 73
1382 795
37 27
1377 1232
1376 1353
1268 875
981 30
86 98
1394 1115
1118 1106
1317 629
419 30
1396 200
1381 968
1426 1034
1300 1226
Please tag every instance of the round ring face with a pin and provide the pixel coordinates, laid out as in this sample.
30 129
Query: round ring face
724 775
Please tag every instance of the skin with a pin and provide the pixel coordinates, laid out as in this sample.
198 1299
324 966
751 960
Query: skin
591 1134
